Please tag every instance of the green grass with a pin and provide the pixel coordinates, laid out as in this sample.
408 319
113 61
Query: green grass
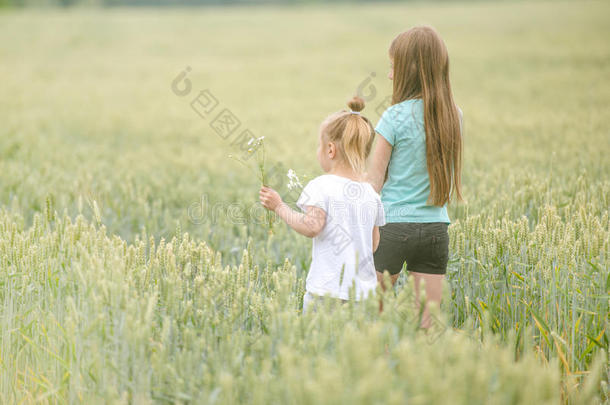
120 305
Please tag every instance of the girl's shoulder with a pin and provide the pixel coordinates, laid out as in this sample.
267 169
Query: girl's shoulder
402 121
340 187
406 110
321 184
321 179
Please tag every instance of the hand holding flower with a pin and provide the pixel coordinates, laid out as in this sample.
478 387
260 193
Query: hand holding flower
270 198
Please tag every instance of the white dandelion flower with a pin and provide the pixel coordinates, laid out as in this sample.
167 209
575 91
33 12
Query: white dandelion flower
294 180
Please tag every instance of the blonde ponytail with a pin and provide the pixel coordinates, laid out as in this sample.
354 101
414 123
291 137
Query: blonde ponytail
352 133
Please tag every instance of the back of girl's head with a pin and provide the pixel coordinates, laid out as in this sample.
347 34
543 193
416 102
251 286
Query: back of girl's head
420 61
352 133
421 70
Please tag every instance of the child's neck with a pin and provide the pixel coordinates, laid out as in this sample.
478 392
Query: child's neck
345 171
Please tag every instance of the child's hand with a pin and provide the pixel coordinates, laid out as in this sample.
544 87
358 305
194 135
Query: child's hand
270 198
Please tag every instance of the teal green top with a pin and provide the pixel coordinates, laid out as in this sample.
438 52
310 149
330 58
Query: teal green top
406 191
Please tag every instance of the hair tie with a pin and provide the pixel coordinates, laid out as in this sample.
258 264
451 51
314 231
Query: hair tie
354 112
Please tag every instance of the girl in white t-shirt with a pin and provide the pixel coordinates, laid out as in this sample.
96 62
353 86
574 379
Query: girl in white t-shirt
341 212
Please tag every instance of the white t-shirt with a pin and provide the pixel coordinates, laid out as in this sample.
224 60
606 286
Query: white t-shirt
352 210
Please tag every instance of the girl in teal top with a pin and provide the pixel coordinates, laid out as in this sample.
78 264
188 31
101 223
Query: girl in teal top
416 163
406 191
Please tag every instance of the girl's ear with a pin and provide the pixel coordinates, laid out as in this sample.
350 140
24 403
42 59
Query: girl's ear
331 150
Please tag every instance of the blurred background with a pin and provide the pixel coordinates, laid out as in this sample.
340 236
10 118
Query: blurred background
89 114
163 3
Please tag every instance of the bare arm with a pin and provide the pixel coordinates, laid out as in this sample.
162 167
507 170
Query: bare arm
309 224
379 162
375 238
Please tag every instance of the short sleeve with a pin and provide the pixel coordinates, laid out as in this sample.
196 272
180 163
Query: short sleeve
380 219
385 128
313 195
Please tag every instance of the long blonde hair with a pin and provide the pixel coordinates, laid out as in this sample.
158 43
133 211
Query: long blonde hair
352 133
421 70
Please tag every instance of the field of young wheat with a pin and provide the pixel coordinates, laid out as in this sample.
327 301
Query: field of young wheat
137 267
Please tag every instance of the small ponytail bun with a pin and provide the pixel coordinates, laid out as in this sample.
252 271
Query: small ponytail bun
356 104
352 133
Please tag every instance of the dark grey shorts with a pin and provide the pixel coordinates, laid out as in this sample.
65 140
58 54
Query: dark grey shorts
424 246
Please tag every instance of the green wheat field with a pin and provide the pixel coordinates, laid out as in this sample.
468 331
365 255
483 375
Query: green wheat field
136 266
